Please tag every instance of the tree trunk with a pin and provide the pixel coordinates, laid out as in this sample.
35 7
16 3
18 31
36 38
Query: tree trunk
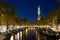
7 27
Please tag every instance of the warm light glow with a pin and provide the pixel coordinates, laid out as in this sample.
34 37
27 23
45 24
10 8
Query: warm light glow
11 26
2 15
21 35
26 31
18 35
11 38
2 28
36 33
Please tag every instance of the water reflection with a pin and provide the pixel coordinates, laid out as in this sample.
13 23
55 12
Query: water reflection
28 34
32 34
20 35
11 38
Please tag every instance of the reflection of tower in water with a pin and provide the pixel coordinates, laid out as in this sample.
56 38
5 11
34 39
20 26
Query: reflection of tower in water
39 13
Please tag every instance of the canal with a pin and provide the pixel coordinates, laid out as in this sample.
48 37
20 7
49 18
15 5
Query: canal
33 34
29 34
42 34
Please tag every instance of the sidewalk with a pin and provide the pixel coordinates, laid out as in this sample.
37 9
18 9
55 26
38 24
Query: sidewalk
2 37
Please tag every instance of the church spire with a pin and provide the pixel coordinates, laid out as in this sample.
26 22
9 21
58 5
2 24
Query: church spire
39 13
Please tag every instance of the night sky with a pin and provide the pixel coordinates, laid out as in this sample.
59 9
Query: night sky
28 8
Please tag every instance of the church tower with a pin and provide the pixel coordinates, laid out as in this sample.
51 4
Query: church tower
39 13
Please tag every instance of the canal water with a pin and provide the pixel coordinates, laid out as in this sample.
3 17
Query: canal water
31 34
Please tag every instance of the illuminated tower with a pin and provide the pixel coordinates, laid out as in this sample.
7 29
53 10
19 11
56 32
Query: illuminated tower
39 13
